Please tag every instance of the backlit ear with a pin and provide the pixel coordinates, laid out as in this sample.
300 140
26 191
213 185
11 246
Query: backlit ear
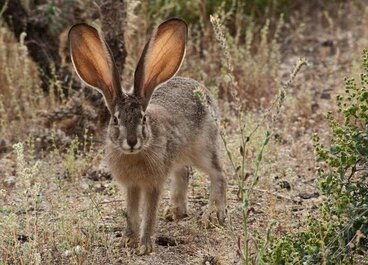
93 62
161 58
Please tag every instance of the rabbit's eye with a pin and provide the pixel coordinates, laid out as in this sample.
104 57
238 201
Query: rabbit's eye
114 120
144 119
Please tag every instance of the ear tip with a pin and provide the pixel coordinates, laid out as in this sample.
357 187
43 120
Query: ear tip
79 27
178 21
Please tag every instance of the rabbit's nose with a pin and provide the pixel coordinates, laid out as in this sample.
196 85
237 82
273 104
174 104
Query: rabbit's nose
132 141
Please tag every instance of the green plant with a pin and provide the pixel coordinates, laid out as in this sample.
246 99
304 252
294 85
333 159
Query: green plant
338 235
269 115
71 157
78 155
29 232
246 70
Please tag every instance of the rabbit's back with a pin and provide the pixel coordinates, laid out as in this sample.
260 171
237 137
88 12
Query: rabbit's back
184 114
187 101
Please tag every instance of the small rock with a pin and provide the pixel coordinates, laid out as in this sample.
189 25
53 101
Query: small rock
9 181
78 250
84 185
67 253
285 185
99 187
23 238
315 107
97 175
307 196
211 260
326 95
93 176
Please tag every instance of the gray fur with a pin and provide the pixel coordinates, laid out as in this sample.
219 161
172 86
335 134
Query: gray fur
181 131
157 130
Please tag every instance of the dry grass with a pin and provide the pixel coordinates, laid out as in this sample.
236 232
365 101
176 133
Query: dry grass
59 206
20 93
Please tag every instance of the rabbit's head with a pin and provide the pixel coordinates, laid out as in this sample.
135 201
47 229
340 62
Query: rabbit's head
129 127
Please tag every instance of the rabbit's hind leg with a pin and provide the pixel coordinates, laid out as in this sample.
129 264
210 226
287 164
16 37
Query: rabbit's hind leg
178 194
210 164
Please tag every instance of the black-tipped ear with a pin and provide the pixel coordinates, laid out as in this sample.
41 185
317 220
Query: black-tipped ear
93 62
161 58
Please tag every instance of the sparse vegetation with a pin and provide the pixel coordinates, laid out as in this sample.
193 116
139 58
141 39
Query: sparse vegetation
338 234
297 180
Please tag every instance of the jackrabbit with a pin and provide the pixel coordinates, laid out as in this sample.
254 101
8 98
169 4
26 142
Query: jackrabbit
159 128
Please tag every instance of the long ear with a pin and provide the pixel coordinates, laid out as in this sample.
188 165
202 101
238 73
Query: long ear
161 58
93 62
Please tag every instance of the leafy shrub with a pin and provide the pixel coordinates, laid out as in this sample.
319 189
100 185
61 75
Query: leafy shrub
339 235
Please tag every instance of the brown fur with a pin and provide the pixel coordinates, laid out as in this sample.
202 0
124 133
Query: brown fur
158 133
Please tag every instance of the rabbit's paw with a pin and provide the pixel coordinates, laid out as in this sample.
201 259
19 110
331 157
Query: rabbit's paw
213 217
130 239
145 246
175 213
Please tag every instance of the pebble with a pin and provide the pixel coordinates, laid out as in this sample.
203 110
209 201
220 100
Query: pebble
67 253
9 181
78 250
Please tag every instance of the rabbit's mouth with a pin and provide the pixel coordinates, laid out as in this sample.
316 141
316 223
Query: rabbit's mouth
131 151
129 148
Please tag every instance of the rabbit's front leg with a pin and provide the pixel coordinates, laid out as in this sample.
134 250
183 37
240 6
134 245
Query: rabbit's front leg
151 200
133 220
